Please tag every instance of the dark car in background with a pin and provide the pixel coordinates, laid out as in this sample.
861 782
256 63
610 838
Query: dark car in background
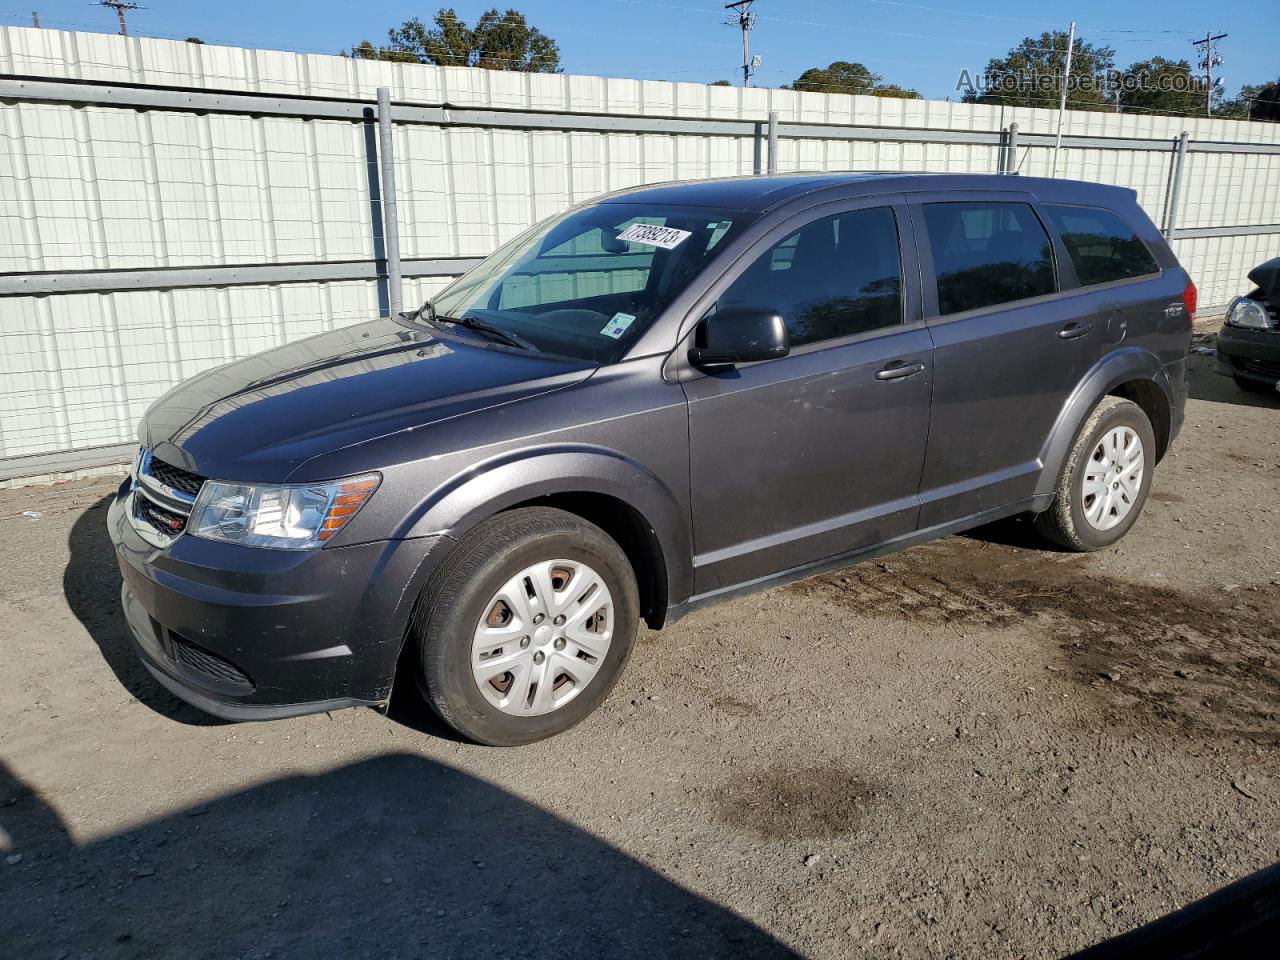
652 402
1248 345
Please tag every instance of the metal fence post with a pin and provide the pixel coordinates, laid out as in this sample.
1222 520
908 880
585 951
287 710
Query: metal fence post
773 142
390 221
1011 151
1175 186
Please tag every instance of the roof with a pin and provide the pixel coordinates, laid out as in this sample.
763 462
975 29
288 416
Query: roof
765 193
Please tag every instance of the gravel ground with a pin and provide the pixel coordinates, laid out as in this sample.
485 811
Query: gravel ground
973 748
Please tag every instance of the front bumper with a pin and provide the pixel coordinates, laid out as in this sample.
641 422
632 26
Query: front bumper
1249 354
247 633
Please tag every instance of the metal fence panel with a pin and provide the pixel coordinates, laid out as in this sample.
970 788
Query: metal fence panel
260 211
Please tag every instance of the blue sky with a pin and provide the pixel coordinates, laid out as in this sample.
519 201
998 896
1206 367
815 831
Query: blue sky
918 43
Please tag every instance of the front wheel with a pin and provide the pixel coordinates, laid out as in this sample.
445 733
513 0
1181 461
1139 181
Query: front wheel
526 626
1105 480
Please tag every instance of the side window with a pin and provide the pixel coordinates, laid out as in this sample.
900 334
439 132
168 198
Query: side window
832 278
987 253
1101 245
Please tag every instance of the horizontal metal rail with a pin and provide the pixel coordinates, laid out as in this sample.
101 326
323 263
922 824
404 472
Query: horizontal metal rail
65 461
1253 230
107 281
137 96
180 278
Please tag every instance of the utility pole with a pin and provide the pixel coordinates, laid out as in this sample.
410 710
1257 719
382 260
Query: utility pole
120 6
746 20
35 19
1208 62
1062 103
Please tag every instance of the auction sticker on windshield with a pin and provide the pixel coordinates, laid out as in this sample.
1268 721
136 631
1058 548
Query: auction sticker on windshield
618 325
668 238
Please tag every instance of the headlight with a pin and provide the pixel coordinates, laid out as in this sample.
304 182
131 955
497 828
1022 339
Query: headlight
287 517
1250 314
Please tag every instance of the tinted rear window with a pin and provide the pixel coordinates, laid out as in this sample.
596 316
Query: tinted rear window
987 253
1101 245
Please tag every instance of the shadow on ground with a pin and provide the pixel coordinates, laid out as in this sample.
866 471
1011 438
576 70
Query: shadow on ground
393 857
91 584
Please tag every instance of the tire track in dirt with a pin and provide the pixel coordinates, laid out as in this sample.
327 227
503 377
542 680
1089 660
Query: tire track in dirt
1196 662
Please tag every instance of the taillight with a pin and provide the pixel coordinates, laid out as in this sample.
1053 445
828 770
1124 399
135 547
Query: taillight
1189 300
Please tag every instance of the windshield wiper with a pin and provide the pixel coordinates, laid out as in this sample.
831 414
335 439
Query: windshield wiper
427 312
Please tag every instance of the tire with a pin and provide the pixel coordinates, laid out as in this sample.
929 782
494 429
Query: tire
447 623
1066 523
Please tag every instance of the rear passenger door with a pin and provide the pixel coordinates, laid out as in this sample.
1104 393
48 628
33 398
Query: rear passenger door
1119 280
1008 350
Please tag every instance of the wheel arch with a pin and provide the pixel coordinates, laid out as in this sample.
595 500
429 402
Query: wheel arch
1134 374
1154 402
601 486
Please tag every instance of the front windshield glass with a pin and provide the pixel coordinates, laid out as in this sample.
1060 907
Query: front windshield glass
587 284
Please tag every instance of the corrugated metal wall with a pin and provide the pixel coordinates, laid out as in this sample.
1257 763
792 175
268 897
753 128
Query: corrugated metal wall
97 187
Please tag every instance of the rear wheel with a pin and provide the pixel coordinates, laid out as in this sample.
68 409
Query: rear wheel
526 626
1104 483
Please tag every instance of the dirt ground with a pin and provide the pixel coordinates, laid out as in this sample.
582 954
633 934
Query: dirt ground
977 748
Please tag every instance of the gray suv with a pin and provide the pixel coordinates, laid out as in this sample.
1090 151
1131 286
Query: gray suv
654 401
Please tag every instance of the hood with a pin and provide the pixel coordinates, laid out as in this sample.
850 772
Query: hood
260 418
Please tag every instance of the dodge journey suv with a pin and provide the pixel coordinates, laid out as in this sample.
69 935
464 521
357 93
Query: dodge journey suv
651 402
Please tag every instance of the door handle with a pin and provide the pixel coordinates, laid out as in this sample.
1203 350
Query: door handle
899 369
1073 330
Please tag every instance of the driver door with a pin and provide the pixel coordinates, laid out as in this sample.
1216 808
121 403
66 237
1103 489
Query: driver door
818 453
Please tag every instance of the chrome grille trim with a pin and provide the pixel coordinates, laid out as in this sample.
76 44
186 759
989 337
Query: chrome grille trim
147 476
148 489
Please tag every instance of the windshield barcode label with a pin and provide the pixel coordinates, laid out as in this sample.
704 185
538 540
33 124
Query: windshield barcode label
668 238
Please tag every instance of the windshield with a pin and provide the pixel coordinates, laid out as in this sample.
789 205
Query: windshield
587 284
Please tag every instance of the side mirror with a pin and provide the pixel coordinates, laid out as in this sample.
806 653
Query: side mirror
739 335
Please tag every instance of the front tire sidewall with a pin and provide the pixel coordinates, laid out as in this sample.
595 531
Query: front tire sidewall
445 638
1119 414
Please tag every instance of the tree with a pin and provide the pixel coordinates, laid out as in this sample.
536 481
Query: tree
853 78
1264 101
498 41
1160 85
1031 75
722 83
1255 102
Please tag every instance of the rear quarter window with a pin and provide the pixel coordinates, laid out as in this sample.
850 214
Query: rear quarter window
1101 245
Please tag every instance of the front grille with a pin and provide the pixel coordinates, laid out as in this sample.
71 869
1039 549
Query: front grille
174 477
1266 368
209 664
163 498
169 523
